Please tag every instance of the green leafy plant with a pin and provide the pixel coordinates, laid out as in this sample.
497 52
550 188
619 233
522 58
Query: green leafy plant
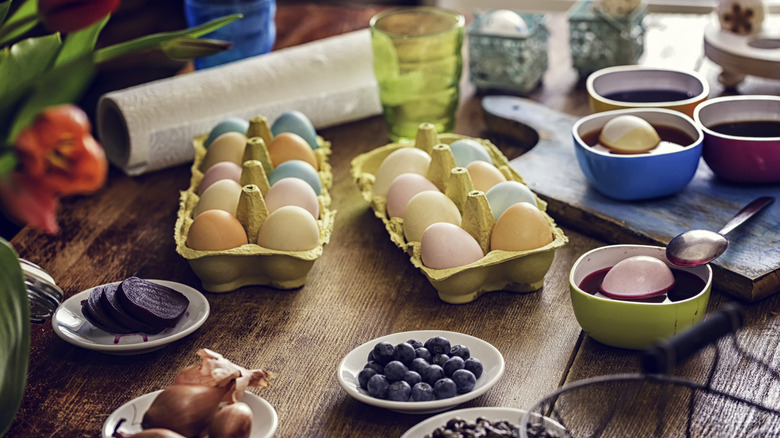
14 335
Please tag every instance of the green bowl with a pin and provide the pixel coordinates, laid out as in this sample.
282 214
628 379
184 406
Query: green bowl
631 324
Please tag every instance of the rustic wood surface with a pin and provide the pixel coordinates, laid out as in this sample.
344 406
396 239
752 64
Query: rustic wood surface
361 288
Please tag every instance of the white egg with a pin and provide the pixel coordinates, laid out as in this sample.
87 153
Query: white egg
290 228
505 22
629 134
222 195
404 160
425 209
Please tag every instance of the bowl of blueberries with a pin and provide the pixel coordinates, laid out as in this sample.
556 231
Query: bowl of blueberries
420 372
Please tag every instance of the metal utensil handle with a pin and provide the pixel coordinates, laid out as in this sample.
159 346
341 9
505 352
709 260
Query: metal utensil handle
664 356
746 213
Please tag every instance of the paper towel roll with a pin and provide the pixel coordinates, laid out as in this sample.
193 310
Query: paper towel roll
151 126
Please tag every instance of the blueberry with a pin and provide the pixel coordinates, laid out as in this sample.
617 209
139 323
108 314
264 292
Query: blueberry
431 374
414 343
438 345
455 363
377 386
376 366
460 350
364 375
424 353
445 388
419 365
475 366
404 353
464 380
440 359
412 377
370 356
395 371
422 392
383 352
399 391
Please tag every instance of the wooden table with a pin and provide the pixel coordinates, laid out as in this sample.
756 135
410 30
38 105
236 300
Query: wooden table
362 287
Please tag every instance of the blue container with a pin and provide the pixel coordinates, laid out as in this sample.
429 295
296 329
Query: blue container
252 35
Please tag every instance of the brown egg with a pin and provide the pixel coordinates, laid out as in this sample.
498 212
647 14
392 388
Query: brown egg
288 146
521 227
227 147
215 230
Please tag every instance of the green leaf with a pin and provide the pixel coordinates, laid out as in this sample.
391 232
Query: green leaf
80 42
4 7
22 21
158 39
7 163
14 335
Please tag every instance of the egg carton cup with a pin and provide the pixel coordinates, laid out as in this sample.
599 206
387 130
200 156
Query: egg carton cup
252 264
516 271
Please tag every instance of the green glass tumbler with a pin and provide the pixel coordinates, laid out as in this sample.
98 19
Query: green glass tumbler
418 65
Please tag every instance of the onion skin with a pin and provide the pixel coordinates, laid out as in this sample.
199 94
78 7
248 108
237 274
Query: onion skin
232 421
184 409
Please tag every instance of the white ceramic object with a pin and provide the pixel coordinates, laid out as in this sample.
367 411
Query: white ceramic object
426 428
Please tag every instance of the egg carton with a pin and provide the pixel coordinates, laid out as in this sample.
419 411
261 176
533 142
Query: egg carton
515 271
251 264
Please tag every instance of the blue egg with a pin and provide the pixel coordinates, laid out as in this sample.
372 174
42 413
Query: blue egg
232 124
505 194
297 123
466 150
297 169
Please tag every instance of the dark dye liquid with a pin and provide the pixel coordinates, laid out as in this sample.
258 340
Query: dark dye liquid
750 128
667 133
640 96
686 285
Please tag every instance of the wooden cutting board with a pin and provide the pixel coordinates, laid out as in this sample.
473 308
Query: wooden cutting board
749 269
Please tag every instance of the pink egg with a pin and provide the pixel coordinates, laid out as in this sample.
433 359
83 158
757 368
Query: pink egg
446 245
219 171
636 278
402 189
292 191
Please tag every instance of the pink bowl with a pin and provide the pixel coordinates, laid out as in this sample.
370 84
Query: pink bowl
740 158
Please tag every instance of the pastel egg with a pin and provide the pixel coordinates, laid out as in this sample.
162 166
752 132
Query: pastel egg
522 227
629 134
505 22
215 230
222 195
484 175
636 278
403 188
445 246
231 124
297 169
289 228
296 122
292 191
425 209
219 171
466 151
227 147
507 193
404 160
288 146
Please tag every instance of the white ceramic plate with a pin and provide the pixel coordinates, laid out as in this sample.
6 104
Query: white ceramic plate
425 428
264 420
69 324
492 363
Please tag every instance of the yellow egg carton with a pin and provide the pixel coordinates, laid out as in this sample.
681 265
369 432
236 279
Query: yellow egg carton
516 271
251 264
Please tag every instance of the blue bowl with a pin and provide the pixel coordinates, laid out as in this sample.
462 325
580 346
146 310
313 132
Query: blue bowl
639 176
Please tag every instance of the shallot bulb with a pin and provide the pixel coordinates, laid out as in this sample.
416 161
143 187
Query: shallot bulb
232 421
150 433
184 409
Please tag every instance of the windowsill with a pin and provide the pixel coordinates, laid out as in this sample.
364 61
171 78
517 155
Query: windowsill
657 6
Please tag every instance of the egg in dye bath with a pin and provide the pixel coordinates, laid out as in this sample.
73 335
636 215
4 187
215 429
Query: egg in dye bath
484 175
297 123
292 191
444 245
215 230
227 147
403 160
425 209
288 146
466 151
231 124
217 172
222 195
629 134
637 278
504 194
289 228
297 169
403 188
522 227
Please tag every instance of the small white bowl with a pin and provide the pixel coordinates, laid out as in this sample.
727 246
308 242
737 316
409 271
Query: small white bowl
426 428
491 358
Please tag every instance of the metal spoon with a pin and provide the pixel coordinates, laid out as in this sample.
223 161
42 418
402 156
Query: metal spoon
697 247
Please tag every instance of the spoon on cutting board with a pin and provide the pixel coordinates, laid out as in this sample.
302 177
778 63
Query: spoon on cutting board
697 247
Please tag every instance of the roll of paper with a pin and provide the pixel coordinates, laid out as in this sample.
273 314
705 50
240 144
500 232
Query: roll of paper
151 126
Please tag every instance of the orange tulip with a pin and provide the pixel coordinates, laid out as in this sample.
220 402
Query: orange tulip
58 151
69 15
29 202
